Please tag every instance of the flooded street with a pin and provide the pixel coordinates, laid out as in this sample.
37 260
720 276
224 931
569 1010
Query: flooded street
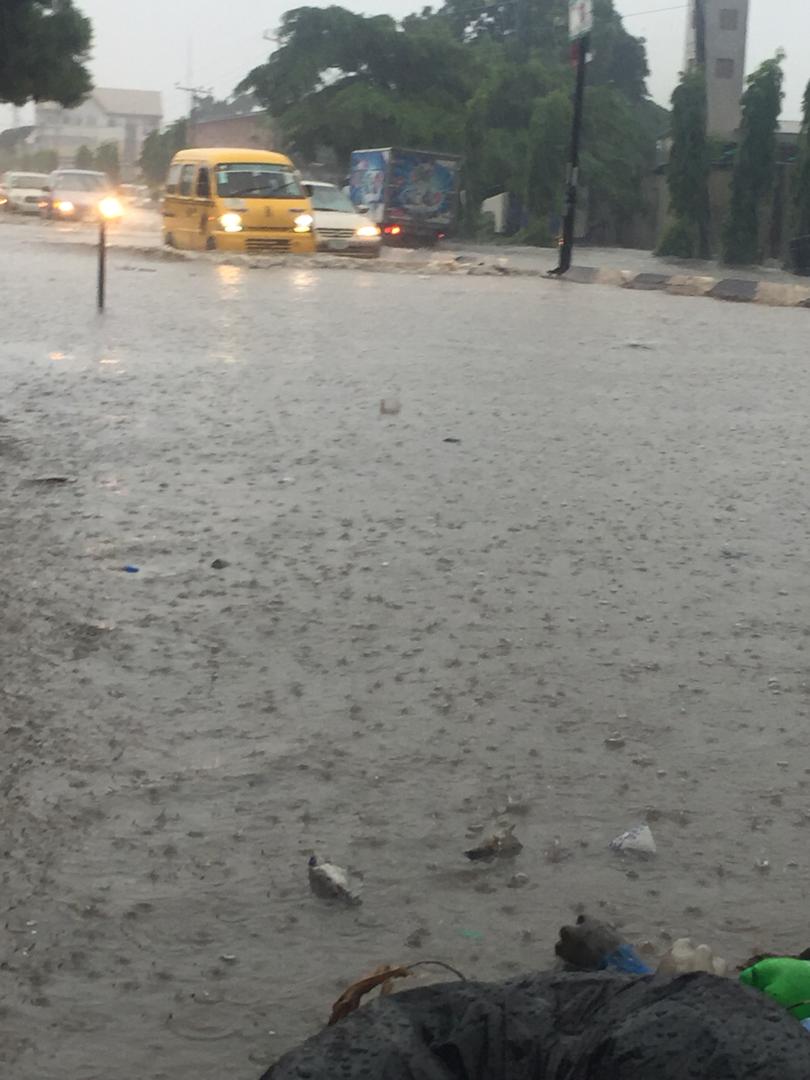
348 635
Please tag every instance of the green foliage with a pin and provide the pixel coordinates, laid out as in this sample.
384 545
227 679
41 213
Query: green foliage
537 234
548 137
681 239
159 147
688 173
618 152
491 82
343 80
84 158
540 27
801 190
619 59
752 183
106 160
44 48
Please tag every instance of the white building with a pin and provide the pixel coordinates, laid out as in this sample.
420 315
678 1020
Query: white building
123 117
717 35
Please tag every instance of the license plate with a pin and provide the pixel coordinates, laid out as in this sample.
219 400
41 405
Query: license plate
338 245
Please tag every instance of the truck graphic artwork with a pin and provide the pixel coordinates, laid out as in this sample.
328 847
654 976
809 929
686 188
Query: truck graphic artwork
422 188
410 194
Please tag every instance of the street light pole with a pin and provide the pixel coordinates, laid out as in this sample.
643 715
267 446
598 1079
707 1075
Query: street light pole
102 261
572 179
109 209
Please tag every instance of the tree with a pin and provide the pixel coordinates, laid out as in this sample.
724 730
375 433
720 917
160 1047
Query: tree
489 81
548 137
108 161
801 191
540 27
752 182
688 173
159 147
84 158
340 80
44 48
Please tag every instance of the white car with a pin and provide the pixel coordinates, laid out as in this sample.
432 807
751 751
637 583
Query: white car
22 191
339 227
74 195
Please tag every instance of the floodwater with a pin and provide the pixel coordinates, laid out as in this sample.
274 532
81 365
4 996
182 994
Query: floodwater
408 631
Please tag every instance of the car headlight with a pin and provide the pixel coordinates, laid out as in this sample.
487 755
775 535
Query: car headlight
231 222
110 208
65 206
303 223
368 232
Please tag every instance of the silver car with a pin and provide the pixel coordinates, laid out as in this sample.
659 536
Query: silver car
74 194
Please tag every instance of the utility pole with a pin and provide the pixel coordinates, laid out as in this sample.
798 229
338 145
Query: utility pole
580 26
196 94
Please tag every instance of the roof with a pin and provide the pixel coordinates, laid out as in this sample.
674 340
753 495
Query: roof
129 102
218 155
236 109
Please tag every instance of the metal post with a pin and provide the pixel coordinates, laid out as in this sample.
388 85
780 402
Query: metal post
572 179
102 262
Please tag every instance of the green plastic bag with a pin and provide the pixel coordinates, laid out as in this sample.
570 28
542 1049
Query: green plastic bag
785 980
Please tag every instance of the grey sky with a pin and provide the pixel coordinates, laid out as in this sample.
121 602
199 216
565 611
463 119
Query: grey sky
149 47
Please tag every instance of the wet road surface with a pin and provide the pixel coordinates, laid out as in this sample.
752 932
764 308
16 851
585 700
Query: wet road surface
140 229
408 631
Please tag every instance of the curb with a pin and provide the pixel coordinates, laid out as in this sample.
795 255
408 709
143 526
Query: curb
732 290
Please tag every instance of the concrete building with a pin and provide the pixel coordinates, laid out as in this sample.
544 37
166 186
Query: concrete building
123 117
717 34
239 122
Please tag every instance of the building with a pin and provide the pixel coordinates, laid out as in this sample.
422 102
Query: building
239 122
717 34
123 117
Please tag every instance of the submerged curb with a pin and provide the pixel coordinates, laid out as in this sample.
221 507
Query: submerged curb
731 290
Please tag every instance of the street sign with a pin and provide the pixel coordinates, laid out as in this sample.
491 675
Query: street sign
580 18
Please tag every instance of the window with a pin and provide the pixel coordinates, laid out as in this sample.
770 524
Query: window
173 180
204 183
259 180
724 69
187 179
729 19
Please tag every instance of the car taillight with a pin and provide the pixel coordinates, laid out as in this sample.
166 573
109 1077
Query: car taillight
392 230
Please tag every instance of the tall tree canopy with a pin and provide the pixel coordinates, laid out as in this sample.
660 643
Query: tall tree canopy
689 168
159 147
341 80
754 169
801 196
489 81
44 47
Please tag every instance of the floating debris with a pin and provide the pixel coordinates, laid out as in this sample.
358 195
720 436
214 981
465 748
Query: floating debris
503 844
636 841
54 481
685 957
331 882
